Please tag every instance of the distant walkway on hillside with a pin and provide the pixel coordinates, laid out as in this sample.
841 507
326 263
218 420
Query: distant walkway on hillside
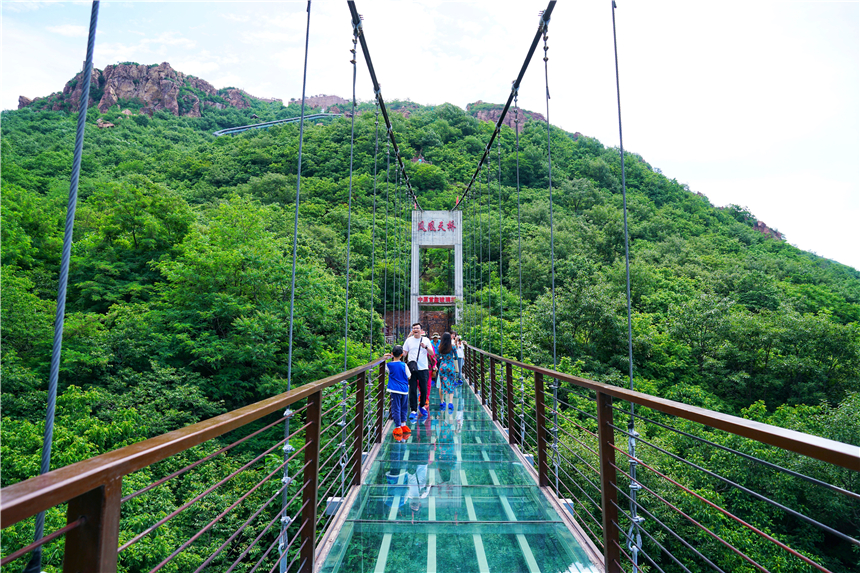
264 125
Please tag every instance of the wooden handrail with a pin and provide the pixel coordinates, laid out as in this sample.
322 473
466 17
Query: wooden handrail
830 451
27 498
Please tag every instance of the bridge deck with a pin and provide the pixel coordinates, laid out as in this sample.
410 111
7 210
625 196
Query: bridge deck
453 497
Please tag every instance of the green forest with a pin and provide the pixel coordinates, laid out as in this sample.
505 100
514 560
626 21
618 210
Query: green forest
179 291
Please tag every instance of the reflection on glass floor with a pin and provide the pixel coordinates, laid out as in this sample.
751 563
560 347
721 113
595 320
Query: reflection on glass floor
453 497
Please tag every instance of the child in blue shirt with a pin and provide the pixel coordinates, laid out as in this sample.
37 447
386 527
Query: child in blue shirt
398 387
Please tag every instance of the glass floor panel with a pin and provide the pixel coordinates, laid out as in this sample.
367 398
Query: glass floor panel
450 501
477 472
452 497
466 452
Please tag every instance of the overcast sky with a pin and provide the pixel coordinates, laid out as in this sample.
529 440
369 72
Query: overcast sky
752 103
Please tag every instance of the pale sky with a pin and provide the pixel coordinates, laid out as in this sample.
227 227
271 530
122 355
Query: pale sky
753 103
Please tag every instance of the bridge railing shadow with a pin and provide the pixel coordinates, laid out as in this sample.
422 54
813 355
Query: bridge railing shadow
244 490
682 488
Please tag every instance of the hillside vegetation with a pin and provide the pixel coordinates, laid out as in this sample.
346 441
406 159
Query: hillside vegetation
179 286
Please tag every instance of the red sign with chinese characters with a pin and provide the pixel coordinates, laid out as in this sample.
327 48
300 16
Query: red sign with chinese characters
434 226
437 299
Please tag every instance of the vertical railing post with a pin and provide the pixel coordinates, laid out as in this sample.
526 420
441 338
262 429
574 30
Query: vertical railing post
358 437
93 546
540 422
468 366
380 404
483 382
513 434
493 397
311 482
608 484
471 359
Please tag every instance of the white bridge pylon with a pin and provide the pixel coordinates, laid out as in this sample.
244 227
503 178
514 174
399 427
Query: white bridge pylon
437 230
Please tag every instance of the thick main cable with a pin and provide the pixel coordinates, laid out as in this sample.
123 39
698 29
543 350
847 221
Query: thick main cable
35 563
544 20
377 89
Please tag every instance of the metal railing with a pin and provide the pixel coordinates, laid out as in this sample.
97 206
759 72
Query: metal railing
712 492
255 489
268 124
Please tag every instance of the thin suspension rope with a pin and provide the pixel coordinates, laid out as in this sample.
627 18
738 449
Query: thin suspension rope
481 259
287 448
345 383
471 271
470 285
489 267
407 266
387 198
520 259
373 234
35 562
552 252
634 536
396 319
501 298
401 201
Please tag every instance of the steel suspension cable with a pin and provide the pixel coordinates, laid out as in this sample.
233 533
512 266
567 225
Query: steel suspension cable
407 265
478 209
345 383
377 90
552 251
488 290
501 298
387 200
471 272
395 319
373 234
634 536
520 259
399 247
468 285
288 448
544 20
35 563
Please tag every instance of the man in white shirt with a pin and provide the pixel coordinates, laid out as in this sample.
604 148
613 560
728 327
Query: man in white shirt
416 347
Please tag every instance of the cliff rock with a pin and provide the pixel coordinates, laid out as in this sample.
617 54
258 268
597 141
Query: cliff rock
491 112
765 230
157 87
321 100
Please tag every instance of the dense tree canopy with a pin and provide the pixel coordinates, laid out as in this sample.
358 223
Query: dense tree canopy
181 265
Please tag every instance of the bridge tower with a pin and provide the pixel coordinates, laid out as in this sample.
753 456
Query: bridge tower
437 230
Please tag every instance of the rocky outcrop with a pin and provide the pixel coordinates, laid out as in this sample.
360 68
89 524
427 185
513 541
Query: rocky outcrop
765 230
480 110
321 100
157 87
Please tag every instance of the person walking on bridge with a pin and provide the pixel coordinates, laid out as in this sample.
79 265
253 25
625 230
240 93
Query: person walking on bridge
416 348
447 371
398 387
